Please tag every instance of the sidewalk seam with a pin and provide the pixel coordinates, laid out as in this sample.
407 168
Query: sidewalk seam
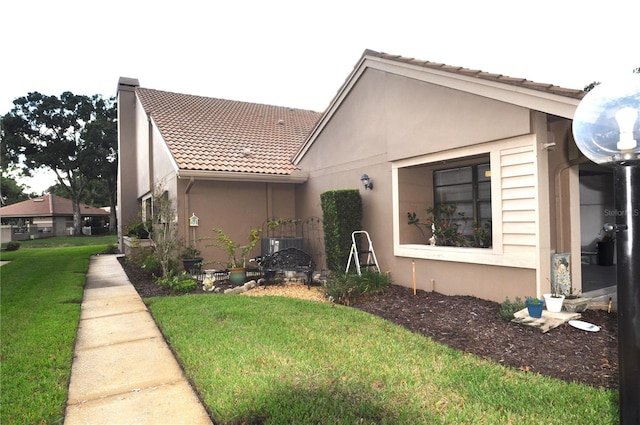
119 394
82 350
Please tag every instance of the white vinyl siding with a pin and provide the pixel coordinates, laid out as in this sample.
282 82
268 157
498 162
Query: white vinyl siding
518 193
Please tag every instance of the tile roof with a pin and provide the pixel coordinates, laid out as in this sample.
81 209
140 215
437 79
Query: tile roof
209 134
521 82
48 206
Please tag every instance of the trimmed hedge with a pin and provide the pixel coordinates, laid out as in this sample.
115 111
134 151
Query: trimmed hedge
342 215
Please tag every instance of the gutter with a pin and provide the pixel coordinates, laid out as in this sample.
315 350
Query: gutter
295 177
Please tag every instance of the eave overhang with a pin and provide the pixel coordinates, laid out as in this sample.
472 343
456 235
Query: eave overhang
294 177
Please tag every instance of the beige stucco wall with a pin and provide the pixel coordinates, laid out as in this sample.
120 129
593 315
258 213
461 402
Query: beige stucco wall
425 118
235 207
389 118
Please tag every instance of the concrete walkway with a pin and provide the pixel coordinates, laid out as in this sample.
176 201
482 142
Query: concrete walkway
123 372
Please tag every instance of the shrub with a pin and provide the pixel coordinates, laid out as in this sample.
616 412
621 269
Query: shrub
508 308
345 288
148 261
111 249
342 215
12 246
139 229
151 265
182 282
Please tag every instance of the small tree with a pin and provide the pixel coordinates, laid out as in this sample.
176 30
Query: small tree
164 230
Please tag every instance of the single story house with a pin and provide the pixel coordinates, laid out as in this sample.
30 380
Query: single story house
45 216
427 134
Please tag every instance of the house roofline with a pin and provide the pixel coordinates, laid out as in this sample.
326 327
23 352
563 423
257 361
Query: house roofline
294 177
509 90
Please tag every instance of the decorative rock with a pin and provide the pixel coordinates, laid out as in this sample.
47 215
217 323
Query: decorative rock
249 285
576 305
240 289
236 290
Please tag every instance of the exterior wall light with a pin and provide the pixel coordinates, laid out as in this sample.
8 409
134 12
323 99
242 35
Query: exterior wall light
606 129
366 182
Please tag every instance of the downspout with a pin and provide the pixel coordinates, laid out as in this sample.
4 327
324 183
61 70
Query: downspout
187 205
559 196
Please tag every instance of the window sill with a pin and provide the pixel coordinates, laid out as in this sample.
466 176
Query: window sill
486 256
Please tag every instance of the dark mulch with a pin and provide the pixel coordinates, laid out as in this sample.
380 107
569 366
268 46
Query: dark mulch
473 325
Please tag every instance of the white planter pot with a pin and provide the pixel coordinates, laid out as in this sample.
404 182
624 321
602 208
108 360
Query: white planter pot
554 304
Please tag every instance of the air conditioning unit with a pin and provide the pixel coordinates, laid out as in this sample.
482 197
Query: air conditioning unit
271 245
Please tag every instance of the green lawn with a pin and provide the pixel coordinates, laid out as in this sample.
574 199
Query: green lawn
278 360
62 241
41 292
272 360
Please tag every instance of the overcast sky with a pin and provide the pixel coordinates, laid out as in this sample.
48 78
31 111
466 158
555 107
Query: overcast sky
298 53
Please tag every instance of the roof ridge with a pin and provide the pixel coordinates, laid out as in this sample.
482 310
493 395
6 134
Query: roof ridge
244 102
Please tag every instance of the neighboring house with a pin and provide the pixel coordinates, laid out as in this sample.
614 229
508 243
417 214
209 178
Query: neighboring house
47 215
427 134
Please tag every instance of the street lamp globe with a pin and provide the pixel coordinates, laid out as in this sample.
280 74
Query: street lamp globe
606 124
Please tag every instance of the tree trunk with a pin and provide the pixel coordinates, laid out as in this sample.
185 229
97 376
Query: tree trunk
77 218
113 228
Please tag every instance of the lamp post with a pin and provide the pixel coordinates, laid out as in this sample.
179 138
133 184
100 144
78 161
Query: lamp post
606 128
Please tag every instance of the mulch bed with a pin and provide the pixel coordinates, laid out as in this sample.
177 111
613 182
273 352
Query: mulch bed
473 326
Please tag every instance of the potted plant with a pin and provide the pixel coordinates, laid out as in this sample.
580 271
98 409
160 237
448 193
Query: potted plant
191 259
554 302
236 253
606 245
534 306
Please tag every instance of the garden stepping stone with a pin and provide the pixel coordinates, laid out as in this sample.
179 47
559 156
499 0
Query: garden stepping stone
547 322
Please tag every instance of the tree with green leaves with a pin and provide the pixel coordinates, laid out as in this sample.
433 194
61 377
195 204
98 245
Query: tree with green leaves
12 192
102 135
71 135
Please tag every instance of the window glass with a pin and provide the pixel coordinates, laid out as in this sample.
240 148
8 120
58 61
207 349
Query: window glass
484 191
462 198
455 193
453 176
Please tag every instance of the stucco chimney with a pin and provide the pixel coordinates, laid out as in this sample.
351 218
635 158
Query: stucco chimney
127 208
